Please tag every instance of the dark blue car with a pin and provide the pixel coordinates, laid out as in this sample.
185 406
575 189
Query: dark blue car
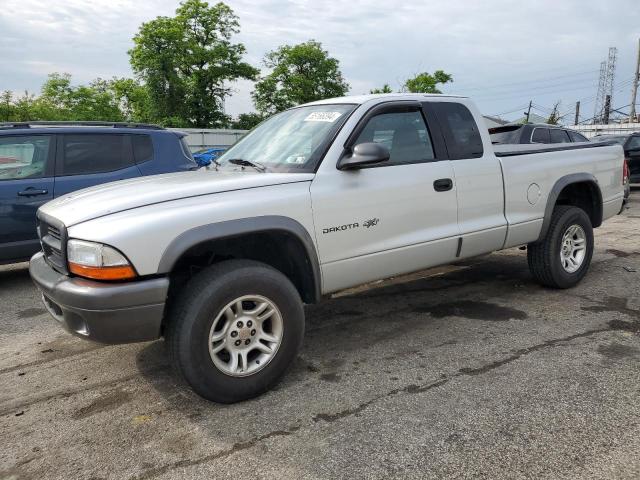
40 161
205 156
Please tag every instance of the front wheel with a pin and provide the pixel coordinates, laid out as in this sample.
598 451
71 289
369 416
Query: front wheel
235 329
562 258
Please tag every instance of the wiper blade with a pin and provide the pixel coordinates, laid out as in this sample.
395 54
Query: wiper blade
247 163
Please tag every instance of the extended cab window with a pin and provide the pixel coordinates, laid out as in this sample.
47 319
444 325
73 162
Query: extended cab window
94 153
557 135
460 130
24 156
540 135
405 134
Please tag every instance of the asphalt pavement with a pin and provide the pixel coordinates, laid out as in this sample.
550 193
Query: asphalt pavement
466 371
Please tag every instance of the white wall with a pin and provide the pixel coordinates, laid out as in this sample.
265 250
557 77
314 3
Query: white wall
610 129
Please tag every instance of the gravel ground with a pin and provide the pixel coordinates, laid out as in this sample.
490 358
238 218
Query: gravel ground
469 371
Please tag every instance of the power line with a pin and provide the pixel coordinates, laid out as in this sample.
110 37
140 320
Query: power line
584 100
542 108
527 93
595 117
592 98
517 109
526 82
541 87
621 86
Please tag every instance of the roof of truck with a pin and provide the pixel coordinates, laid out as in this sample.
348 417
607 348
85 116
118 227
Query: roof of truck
359 99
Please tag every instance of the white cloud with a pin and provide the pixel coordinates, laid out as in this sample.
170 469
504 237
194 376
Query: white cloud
502 52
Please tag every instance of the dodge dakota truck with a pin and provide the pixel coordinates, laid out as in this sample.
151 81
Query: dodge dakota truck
318 198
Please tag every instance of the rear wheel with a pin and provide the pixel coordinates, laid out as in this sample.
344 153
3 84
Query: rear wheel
235 329
562 258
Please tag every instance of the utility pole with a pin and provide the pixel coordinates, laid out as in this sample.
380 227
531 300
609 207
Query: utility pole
577 113
529 110
607 109
634 88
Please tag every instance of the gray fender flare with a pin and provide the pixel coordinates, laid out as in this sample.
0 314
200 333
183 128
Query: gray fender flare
233 228
560 184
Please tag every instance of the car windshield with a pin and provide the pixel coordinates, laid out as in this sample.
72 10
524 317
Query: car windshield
291 141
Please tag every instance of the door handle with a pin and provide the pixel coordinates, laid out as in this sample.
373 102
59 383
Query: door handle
443 184
32 192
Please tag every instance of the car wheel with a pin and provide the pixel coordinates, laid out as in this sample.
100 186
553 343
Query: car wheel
562 258
235 329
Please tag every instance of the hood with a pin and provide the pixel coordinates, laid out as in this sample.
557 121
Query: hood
94 202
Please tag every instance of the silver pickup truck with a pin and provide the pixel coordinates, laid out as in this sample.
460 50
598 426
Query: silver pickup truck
318 198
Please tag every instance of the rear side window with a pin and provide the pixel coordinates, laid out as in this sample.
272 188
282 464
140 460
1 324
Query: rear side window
94 153
24 156
460 130
540 135
576 137
142 148
557 135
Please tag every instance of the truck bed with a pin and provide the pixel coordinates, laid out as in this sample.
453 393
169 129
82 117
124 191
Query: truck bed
530 174
504 150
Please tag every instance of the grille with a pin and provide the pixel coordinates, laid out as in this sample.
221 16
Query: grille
54 232
53 240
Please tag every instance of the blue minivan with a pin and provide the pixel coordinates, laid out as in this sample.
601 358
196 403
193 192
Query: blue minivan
40 161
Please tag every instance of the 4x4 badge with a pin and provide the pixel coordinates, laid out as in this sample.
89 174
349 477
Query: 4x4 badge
372 222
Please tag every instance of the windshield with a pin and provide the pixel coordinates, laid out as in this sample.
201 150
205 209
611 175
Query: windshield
291 141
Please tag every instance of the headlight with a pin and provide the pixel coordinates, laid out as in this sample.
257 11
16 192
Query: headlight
98 261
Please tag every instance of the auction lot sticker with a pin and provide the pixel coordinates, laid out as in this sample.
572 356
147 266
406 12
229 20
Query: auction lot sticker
322 117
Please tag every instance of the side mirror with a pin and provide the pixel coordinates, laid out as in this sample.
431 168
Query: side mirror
364 154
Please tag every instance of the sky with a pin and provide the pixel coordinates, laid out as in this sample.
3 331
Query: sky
502 53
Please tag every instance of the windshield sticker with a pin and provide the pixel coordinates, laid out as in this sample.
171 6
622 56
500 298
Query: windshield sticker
322 117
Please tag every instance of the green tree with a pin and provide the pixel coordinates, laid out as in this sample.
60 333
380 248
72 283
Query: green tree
385 89
26 108
133 99
246 121
187 62
95 101
426 83
6 106
299 74
55 100
59 100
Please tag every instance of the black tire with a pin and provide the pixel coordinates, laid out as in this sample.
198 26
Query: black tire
196 308
544 256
